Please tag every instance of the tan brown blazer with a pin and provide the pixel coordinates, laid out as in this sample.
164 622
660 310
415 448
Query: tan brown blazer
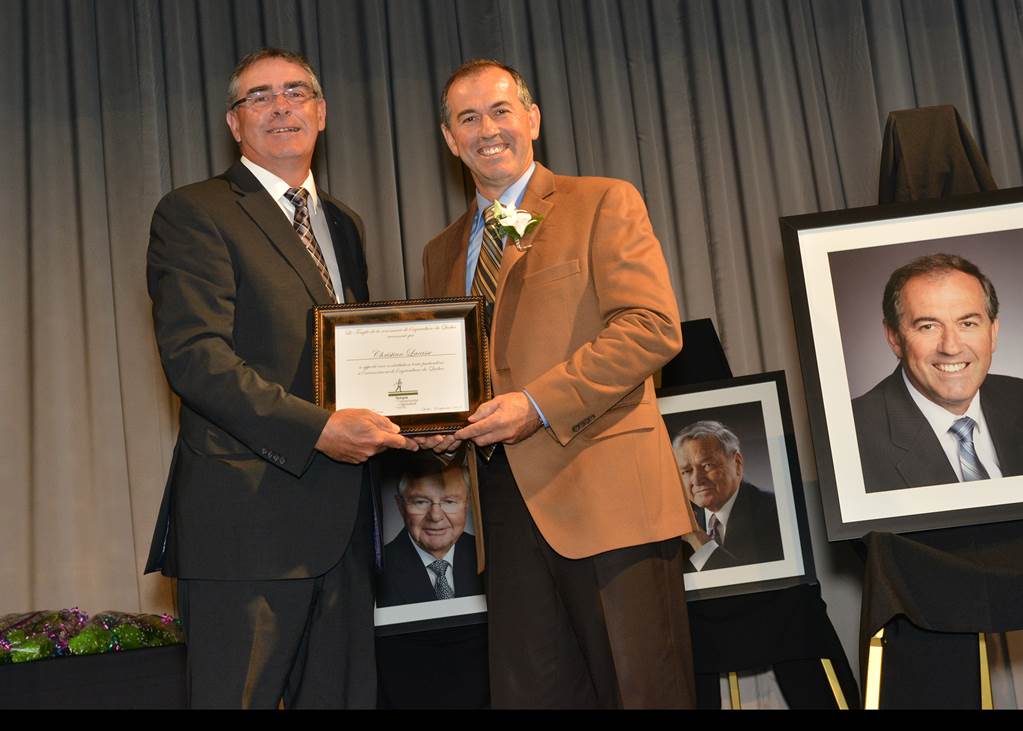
581 321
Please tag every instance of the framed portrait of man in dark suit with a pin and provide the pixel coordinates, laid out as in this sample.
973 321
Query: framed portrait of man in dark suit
734 447
910 324
428 578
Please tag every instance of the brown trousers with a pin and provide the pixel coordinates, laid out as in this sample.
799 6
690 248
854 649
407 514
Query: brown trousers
608 631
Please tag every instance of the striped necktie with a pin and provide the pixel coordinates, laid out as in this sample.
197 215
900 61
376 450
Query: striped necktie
299 197
714 530
484 284
488 266
970 463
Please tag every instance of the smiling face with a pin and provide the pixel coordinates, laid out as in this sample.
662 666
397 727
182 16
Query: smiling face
709 476
490 129
434 510
281 138
945 338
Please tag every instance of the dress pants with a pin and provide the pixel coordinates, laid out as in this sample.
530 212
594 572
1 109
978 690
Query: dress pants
607 631
308 642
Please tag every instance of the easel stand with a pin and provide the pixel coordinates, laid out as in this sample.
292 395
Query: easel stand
929 597
787 630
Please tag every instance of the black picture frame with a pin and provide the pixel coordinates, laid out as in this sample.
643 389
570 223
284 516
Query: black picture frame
756 409
838 264
403 615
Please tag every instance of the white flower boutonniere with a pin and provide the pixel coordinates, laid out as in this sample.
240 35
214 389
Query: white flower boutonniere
515 223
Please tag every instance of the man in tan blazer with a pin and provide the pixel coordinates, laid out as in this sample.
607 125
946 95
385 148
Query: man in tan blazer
582 502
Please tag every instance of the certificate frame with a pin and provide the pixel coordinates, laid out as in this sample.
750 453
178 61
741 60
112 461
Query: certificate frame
838 263
326 318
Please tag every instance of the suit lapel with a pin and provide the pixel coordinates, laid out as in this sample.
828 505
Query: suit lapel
455 265
1006 433
350 258
414 574
923 461
266 214
538 200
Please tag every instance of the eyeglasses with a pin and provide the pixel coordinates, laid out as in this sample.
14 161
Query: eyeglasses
422 505
261 100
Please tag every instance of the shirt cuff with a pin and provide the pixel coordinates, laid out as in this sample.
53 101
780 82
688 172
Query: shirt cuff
543 419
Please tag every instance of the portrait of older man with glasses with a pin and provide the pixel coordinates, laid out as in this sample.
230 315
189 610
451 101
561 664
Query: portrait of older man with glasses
267 518
432 557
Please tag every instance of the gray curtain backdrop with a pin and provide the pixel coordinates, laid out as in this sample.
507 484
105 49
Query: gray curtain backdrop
725 114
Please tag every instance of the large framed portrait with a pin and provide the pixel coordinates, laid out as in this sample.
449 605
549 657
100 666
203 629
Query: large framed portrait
428 530
735 448
909 319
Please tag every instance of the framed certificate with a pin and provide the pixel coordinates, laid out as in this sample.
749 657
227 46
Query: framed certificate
421 363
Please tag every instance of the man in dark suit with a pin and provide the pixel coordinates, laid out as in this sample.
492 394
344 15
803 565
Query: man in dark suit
738 521
923 424
432 557
580 496
267 519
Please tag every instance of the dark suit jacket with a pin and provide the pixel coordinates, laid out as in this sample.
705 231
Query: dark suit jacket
248 496
898 448
753 534
405 581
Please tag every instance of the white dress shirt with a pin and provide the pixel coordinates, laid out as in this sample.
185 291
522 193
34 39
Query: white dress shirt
429 558
321 230
702 554
941 420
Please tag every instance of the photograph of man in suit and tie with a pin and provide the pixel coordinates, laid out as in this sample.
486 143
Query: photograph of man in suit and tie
433 556
924 424
738 521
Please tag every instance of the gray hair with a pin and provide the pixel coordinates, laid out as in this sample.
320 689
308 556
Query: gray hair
426 467
707 429
473 67
265 53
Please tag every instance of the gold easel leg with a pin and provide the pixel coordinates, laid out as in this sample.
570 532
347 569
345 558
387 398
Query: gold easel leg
986 701
733 691
872 695
836 689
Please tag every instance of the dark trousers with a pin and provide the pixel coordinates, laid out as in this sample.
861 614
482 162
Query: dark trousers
607 631
308 642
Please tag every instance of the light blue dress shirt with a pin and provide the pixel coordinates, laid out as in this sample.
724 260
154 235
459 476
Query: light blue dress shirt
510 197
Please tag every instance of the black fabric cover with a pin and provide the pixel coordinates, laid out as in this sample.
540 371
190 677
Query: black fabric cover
933 592
924 669
788 629
149 678
929 153
702 357
434 669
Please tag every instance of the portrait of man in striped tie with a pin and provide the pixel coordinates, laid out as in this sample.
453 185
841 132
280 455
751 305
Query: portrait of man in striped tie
433 556
940 418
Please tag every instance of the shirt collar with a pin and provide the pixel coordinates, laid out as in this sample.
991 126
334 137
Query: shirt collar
512 196
429 558
276 187
726 509
940 418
